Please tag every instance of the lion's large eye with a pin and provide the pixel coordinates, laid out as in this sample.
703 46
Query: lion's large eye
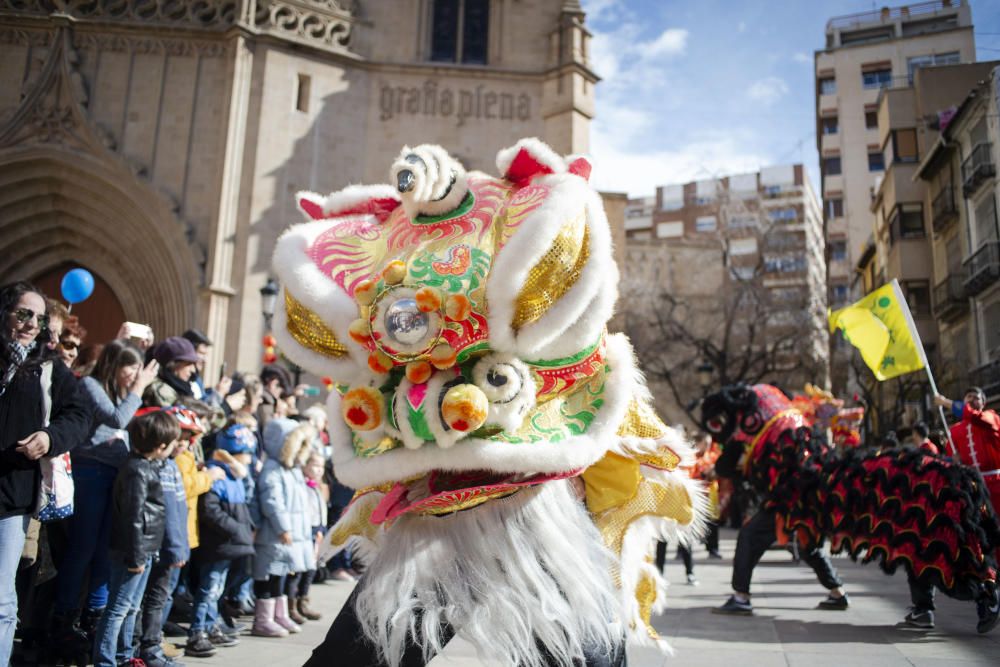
717 424
503 382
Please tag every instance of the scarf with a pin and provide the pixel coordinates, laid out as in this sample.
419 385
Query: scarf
18 354
182 388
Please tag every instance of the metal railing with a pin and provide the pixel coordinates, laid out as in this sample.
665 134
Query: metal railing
977 167
982 269
950 298
888 14
944 211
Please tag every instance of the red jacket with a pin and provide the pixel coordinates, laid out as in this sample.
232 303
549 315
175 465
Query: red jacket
977 439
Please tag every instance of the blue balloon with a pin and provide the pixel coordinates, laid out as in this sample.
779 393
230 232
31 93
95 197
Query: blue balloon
77 285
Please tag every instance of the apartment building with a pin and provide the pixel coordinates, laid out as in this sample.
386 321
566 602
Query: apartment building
958 172
863 54
762 229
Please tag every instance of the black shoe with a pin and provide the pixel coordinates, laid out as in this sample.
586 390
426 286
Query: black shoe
154 660
834 604
735 607
233 629
714 553
988 606
199 646
220 638
920 618
171 629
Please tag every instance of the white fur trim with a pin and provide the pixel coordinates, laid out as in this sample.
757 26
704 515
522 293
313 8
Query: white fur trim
538 149
477 454
354 196
316 291
432 179
578 317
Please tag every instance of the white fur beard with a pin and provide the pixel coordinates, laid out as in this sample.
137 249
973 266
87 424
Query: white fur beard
504 574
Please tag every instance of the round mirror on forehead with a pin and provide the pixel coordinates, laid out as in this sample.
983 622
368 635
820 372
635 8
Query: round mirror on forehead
404 323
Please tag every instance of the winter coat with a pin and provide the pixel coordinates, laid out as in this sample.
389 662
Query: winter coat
283 502
21 414
225 528
108 439
175 548
138 515
196 482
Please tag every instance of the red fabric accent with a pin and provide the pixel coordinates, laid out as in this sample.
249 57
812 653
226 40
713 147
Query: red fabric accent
985 429
929 446
311 208
581 167
524 167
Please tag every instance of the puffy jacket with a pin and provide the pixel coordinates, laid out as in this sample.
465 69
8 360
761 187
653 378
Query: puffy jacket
138 515
196 482
225 528
283 503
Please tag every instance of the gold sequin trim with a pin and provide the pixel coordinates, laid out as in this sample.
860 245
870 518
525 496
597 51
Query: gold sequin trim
310 331
642 422
670 502
554 274
645 595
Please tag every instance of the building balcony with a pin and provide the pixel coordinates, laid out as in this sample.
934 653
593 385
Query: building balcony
982 269
987 376
944 211
977 168
950 301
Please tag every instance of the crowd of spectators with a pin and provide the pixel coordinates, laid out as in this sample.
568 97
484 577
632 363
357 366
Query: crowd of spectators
189 507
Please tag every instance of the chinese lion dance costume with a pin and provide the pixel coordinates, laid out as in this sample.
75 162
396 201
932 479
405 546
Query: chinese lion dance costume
510 472
901 507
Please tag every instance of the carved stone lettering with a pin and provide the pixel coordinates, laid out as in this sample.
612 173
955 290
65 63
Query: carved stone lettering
434 99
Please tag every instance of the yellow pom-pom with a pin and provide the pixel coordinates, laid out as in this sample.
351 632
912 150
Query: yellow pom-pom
360 331
428 299
457 307
362 408
418 372
394 273
443 356
364 292
464 408
379 362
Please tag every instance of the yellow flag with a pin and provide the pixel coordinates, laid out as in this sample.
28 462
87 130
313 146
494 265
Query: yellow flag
882 328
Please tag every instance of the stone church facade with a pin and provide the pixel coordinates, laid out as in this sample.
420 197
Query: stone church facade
158 143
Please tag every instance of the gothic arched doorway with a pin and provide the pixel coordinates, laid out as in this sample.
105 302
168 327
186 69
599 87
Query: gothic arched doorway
101 315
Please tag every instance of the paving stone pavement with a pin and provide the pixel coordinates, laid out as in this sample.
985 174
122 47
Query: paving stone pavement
786 630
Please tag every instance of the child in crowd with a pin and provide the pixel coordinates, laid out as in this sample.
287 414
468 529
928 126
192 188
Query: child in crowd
173 556
226 533
284 544
318 495
137 527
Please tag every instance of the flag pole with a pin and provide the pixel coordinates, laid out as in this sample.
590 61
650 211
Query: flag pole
905 307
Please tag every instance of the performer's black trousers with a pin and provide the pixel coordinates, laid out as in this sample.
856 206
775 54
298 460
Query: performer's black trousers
754 539
346 644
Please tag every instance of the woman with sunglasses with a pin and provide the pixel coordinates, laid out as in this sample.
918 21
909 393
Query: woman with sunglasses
26 433
112 392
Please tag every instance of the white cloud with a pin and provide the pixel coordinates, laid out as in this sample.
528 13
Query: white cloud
607 10
767 91
639 173
804 58
671 42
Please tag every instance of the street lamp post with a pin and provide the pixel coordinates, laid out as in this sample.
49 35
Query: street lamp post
705 372
268 299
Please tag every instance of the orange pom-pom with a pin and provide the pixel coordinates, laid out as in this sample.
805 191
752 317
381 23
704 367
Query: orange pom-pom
394 273
457 307
418 372
379 362
360 331
362 408
428 299
270 357
364 292
270 341
443 356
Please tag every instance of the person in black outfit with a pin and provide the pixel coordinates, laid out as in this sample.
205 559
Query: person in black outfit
34 423
754 539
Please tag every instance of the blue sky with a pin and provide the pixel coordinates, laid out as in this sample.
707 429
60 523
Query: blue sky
714 87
